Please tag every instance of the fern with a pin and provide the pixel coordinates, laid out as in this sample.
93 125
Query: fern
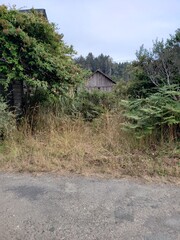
160 110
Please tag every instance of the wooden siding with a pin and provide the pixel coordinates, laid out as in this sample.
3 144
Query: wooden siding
14 95
17 88
99 81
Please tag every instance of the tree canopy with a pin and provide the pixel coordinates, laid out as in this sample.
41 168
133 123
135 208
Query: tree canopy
154 94
34 52
157 67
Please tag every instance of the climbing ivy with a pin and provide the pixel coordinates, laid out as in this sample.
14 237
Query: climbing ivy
34 52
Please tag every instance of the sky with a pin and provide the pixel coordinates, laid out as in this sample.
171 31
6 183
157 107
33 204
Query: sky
113 27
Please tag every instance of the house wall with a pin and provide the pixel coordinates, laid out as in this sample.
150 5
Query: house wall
14 95
17 88
98 81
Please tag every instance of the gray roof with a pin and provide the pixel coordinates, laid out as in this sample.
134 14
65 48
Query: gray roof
40 10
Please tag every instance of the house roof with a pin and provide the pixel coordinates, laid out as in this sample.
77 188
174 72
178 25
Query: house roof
39 10
99 71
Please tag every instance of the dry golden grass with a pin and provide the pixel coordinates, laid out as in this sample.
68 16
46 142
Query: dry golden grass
72 145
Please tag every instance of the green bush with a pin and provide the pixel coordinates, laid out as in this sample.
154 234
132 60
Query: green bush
36 53
92 104
159 112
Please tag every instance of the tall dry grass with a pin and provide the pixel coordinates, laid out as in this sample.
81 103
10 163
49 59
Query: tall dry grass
64 144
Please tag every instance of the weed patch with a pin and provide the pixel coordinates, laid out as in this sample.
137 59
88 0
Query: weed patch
99 147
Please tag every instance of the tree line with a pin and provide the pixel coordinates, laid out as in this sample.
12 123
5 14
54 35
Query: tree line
105 63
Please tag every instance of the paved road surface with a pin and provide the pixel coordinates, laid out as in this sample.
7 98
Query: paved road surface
78 208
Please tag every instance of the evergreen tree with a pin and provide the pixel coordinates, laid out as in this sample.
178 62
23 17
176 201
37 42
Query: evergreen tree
117 71
154 95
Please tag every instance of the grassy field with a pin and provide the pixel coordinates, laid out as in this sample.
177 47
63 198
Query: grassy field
59 144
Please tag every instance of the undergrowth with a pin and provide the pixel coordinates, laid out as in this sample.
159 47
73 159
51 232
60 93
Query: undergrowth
65 144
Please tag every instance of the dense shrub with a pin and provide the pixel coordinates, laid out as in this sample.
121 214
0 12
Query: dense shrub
92 104
159 112
34 52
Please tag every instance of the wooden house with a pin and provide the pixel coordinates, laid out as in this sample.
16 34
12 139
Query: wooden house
100 81
14 94
40 10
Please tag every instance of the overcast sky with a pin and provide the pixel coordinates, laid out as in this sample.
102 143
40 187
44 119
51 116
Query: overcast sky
113 27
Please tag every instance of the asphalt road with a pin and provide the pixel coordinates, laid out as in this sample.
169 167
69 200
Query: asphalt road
79 208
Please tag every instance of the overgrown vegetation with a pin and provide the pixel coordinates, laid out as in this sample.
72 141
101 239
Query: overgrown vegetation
7 120
98 147
154 95
91 105
134 130
160 113
33 51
